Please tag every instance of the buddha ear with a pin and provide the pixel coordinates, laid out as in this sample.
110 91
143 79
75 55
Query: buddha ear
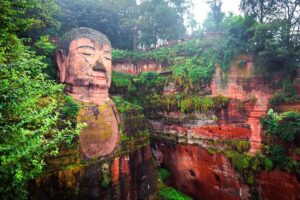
60 59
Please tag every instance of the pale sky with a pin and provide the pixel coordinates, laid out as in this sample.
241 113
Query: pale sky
201 8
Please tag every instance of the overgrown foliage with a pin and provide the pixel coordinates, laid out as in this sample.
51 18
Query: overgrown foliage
31 123
35 116
286 95
285 126
275 43
285 129
165 192
127 23
176 102
169 193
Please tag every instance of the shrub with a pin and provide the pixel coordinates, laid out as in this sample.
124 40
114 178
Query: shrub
31 127
278 155
268 164
285 126
70 108
168 193
106 177
163 174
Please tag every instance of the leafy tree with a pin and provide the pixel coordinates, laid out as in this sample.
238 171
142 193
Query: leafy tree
24 19
276 39
128 13
182 6
214 17
239 31
158 22
34 118
31 127
285 126
263 10
90 13
44 15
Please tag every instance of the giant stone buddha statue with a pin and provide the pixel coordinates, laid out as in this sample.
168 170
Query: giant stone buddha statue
84 61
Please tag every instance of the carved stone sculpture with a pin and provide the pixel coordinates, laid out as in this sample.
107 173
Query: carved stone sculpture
84 61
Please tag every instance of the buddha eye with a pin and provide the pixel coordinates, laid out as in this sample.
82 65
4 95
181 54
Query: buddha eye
87 54
107 58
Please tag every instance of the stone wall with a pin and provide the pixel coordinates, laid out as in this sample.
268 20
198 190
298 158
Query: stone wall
206 176
243 84
130 68
130 175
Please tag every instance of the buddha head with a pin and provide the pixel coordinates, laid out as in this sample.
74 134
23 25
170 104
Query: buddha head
84 61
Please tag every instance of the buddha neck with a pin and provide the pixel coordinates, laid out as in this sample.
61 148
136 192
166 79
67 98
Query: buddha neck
95 95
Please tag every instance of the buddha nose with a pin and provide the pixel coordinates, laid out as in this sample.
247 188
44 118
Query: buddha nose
99 67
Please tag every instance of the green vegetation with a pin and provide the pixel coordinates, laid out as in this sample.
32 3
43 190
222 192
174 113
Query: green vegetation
35 116
163 173
135 88
45 48
287 95
248 165
275 43
245 164
285 126
31 123
128 24
203 104
165 192
133 124
126 108
122 83
176 102
106 177
70 108
169 193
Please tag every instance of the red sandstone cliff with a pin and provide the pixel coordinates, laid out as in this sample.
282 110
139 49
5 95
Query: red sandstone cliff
132 176
243 84
200 174
130 68
211 176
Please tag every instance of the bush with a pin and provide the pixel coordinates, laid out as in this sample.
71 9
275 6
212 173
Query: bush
268 164
70 108
285 126
31 127
278 155
163 174
168 193
287 95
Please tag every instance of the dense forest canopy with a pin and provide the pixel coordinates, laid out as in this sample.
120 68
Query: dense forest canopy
36 117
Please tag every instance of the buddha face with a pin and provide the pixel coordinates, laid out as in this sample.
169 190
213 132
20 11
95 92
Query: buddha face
88 64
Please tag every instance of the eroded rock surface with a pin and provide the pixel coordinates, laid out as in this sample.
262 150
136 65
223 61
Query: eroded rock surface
200 174
243 84
279 185
130 176
130 68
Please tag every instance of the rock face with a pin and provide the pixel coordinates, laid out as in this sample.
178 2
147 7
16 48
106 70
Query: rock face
278 185
200 174
243 84
130 68
130 176
229 123
211 176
